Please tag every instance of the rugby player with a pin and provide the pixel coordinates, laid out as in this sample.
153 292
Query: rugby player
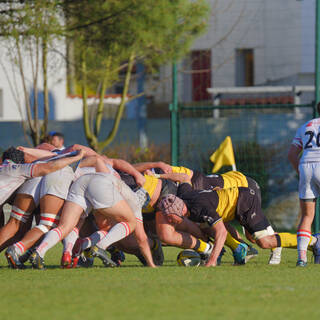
306 141
52 191
105 194
214 207
242 251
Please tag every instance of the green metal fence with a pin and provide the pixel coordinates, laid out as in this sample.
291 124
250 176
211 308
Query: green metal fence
261 136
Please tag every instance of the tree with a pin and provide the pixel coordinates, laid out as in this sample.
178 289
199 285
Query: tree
29 28
112 36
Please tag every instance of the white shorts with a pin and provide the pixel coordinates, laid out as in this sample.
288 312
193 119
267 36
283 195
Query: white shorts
31 187
57 183
130 197
309 180
94 191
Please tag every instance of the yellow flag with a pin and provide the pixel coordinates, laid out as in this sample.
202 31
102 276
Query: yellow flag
223 156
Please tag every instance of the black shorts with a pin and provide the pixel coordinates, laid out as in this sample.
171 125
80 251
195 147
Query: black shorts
253 184
249 212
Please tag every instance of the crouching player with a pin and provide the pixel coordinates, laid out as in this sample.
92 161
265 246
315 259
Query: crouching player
98 191
224 205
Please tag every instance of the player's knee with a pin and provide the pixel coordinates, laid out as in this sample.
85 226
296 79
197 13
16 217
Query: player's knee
263 243
132 224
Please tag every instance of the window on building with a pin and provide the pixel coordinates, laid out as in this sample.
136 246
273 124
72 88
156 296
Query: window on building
244 67
201 74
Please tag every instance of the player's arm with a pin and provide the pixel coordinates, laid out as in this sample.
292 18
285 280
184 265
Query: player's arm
41 169
220 235
35 153
142 240
294 156
177 177
143 166
96 162
125 166
75 147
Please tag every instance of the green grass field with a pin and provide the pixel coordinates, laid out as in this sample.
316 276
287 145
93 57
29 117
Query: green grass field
253 291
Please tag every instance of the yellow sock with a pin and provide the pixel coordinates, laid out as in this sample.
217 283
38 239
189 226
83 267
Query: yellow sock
201 246
288 240
231 242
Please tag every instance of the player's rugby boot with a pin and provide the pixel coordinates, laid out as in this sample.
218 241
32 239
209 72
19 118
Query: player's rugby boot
142 259
13 258
316 249
251 253
157 253
275 256
301 263
25 257
86 259
66 260
103 256
222 252
117 256
240 253
36 261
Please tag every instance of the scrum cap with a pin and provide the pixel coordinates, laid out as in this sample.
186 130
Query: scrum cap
171 204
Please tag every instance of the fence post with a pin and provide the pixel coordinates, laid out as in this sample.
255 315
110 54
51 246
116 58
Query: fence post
316 221
174 118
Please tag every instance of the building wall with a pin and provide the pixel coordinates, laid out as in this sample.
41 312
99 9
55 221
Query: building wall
281 33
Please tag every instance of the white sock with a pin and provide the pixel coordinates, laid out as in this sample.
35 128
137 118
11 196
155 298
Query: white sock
20 248
93 239
49 241
303 239
116 233
70 240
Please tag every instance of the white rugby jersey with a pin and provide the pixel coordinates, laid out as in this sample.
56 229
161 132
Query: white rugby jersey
12 176
80 171
308 139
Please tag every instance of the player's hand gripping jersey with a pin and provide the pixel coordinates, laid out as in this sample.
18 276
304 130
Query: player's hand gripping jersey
308 139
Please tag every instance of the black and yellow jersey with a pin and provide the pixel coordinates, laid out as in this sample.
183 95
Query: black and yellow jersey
201 181
209 205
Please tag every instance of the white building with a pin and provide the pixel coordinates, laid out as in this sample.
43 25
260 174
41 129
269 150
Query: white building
248 43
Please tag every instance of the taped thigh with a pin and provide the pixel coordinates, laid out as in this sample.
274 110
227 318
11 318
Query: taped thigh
48 221
263 233
19 214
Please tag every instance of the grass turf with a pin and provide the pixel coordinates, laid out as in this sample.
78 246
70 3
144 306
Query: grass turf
253 291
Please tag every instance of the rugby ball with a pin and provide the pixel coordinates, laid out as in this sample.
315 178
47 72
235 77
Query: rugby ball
188 258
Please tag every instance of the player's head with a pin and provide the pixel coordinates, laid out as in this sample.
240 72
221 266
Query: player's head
318 108
13 154
56 139
172 205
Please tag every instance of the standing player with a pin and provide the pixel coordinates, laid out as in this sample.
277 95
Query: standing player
307 141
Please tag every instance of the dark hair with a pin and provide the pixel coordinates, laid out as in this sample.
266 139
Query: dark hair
318 108
56 134
13 154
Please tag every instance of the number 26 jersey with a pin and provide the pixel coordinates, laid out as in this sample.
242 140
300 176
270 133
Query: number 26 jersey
308 139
